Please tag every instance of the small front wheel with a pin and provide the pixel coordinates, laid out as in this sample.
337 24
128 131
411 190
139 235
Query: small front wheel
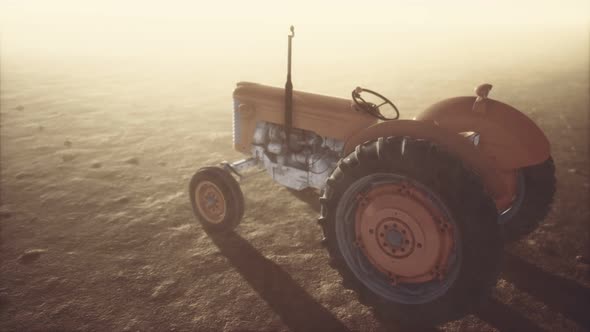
216 199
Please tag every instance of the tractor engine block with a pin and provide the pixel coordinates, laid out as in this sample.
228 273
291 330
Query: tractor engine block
307 162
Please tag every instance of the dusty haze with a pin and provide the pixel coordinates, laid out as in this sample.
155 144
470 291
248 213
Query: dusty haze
344 43
109 107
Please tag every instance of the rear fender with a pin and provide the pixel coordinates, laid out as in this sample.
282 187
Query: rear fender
496 182
507 136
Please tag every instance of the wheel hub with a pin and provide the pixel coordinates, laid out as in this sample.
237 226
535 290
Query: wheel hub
403 233
210 202
394 238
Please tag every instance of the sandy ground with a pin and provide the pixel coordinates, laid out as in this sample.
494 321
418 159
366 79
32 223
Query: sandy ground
98 234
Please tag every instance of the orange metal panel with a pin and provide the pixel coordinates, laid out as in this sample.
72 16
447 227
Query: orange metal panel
506 135
488 169
326 116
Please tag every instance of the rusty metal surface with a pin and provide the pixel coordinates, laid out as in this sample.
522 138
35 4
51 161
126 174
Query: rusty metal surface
210 202
506 135
403 234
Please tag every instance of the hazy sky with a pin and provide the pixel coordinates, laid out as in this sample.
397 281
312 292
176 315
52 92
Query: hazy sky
386 44
302 12
98 24
329 31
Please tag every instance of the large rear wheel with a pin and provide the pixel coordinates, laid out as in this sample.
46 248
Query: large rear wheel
534 196
411 230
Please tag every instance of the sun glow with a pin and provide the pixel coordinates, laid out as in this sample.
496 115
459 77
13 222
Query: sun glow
233 40
108 25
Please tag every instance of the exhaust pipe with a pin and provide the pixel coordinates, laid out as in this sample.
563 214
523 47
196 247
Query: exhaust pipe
289 95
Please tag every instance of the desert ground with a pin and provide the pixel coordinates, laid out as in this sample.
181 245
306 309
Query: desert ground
98 232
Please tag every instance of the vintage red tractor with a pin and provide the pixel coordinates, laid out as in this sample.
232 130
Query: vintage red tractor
414 212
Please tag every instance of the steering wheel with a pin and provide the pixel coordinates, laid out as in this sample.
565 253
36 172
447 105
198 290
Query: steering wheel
371 108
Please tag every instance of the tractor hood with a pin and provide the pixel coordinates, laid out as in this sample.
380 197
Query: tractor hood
325 115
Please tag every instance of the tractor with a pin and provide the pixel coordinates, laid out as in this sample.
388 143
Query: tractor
414 213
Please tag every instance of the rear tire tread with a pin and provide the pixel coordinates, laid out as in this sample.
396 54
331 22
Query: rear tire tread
540 180
384 155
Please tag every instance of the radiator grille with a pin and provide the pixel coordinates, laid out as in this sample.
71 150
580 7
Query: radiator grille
235 124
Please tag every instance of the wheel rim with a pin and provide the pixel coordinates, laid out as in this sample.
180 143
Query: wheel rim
506 215
210 202
398 238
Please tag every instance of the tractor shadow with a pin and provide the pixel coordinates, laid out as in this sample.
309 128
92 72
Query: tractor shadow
309 197
297 309
505 318
301 312
559 294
